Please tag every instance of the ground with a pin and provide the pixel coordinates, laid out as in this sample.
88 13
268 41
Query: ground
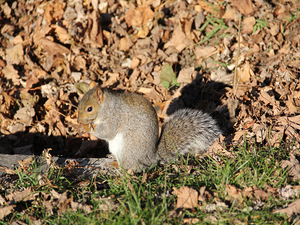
237 60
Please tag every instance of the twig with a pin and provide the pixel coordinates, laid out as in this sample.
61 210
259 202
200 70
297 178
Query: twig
235 82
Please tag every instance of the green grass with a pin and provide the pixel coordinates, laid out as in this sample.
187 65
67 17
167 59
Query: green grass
259 25
216 25
136 200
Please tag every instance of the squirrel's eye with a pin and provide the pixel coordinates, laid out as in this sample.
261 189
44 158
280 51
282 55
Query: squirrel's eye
89 109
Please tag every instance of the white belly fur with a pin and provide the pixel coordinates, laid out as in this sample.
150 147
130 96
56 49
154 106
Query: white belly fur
116 145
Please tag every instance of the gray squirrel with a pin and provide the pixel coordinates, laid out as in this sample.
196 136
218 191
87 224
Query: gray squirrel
128 122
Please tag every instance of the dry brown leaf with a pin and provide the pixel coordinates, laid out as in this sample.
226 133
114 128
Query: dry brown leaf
204 52
244 6
62 34
190 221
186 197
24 195
25 115
125 44
139 17
294 121
113 78
248 192
249 124
25 163
108 204
245 74
217 146
187 27
94 34
249 23
179 40
204 195
6 103
11 74
277 137
135 63
4 211
52 48
54 11
54 194
17 40
86 208
234 192
16 54
186 75
293 165
286 48
274 28
292 134
207 7
63 199
145 90
49 207
265 97
260 132
6 9
291 106
260 194
231 14
2 200
291 209
288 192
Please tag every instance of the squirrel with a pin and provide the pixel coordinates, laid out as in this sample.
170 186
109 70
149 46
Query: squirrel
128 122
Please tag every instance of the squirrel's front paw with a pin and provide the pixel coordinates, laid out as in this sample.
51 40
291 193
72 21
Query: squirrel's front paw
84 128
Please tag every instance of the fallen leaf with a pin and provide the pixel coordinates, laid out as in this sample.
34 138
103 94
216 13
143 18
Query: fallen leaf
204 52
62 34
24 195
274 28
139 17
285 48
16 54
291 209
125 44
291 106
186 197
25 115
84 207
249 23
179 40
293 166
2 200
288 192
185 75
11 74
82 88
244 6
260 194
113 78
245 74
25 163
234 192
208 7
231 14
4 211
294 121
49 207
168 77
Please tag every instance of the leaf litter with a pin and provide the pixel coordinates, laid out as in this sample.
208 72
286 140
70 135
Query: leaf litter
177 54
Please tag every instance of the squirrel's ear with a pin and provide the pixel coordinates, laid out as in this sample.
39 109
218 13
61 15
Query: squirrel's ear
99 95
92 85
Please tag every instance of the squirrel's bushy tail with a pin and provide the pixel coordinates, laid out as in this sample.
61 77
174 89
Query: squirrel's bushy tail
187 131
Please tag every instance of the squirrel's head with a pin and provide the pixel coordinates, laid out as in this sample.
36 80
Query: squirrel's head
90 104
